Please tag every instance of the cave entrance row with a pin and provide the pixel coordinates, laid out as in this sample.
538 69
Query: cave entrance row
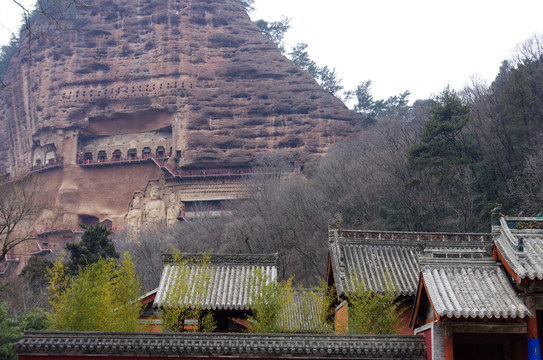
117 155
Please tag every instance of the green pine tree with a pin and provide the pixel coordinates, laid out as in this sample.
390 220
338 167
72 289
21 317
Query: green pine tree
442 146
95 244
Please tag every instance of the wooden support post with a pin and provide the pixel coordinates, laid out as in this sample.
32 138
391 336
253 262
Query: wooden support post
534 347
532 327
449 353
531 322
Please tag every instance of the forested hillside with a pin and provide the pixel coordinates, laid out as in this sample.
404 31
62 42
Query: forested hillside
443 163
440 163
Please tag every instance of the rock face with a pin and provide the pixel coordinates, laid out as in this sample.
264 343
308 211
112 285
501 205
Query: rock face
193 80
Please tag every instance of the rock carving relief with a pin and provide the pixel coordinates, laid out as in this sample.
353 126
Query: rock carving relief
134 215
175 207
155 208
150 209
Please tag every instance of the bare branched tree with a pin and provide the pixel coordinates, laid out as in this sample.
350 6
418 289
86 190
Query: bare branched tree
526 186
20 203
196 236
529 51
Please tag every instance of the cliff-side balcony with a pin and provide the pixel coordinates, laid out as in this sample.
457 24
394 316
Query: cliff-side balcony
53 164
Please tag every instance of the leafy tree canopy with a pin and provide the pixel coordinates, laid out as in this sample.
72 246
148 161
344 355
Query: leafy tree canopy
101 297
300 57
12 329
274 303
325 76
372 109
268 297
35 271
442 145
95 244
329 80
275 31
373 313
186 295
247 4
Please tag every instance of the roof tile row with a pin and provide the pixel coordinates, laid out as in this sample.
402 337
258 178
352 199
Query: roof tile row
222 345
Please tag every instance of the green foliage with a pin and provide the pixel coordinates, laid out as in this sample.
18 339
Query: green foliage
325 76
268 298
365 103
102 297
12 329
95 244
442 146
280 308
371 312
275 31
373 109
315 309
300 57
247 4
35 271
329 80
186 295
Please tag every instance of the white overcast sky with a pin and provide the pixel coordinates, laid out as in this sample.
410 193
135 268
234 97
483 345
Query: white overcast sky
416 45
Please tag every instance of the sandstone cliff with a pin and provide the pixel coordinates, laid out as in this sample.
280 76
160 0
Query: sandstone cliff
200 69
193 80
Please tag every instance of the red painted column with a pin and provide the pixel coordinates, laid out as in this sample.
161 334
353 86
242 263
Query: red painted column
449 353
531 322
534 350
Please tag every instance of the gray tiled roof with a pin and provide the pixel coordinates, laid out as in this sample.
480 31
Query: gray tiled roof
378 259
468 289
527 263
378 265
302 313
158 345
230 276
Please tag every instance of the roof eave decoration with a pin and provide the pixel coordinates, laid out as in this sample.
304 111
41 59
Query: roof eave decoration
521 250
313 346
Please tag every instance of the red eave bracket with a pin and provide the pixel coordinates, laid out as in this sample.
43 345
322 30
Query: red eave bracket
498 256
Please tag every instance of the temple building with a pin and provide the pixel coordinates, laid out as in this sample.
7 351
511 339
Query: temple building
216 283
472 296
384 260
489 307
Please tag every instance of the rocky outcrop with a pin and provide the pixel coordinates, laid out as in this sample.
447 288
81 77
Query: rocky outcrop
192 80
201 67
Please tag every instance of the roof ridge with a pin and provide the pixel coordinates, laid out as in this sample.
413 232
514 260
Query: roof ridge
227 259
456 262
223 345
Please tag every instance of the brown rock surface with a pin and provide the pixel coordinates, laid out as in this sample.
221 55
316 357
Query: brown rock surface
193 77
